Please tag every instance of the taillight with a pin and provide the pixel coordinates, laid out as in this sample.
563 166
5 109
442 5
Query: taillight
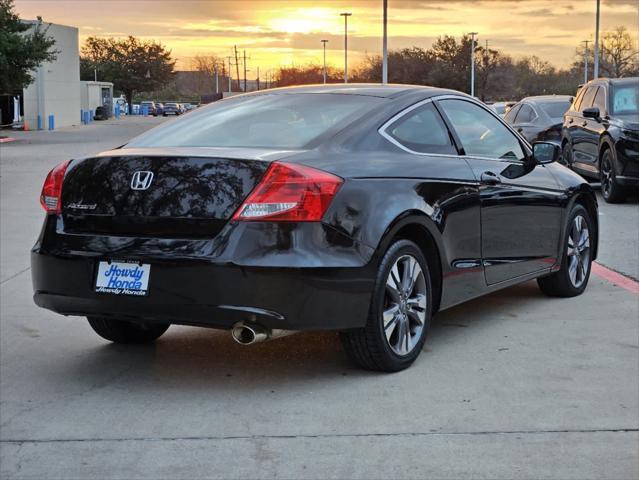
290 193
50 198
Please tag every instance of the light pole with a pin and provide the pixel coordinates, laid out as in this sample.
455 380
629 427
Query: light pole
385 45
324 42
595 72
586 61
345 15
472 63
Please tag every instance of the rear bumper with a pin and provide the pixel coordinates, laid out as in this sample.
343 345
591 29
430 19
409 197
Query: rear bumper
192 283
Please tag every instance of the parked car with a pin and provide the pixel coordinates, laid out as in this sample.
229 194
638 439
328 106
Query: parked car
151 110
171 109
540 117
159 108
358 208
101 113
501 108
600 135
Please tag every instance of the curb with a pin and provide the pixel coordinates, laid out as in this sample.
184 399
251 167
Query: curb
615 278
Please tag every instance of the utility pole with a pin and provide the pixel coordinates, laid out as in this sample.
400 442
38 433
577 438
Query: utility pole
217 80
258 78
385 45
237 67
345 15
245 70
230 70
324 42
596 66
472 63
586 61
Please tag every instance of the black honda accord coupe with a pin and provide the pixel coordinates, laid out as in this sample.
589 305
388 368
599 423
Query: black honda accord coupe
359 208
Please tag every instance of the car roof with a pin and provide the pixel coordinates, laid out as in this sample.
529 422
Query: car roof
548 98
614 81
368 89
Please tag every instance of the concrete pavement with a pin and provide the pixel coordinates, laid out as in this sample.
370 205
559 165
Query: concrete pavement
513 385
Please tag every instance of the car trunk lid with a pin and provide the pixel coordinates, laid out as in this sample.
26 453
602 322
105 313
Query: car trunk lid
172 193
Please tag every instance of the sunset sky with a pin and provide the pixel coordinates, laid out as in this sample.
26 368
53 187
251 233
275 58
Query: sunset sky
276 32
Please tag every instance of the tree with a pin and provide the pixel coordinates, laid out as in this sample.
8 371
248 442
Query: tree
23 47
618 56
306 75
131 64
205 68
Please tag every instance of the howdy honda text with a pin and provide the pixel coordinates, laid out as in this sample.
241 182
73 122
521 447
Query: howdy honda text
121 278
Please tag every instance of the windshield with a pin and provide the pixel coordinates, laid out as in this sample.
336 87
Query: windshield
625 99
555 109
268 121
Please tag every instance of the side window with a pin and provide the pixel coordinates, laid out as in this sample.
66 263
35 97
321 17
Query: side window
510 116
422 130
600 100
576 103
526 114
589 96
480 132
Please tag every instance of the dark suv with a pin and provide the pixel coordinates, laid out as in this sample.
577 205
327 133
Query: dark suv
600 135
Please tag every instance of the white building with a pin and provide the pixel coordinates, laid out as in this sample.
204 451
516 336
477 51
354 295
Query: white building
56 89
96 94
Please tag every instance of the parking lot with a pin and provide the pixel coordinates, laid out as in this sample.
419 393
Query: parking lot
512 385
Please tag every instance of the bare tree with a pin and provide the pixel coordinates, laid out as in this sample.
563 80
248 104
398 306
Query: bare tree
618 58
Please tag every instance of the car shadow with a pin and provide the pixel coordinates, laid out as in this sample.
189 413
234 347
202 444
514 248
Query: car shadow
196 359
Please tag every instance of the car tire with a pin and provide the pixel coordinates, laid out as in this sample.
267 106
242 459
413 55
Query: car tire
572 278
399 315
611 191
122 331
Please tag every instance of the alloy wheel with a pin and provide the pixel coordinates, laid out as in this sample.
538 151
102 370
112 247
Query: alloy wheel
606 176
404 314
578 252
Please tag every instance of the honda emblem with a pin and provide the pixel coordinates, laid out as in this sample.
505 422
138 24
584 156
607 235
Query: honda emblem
141 180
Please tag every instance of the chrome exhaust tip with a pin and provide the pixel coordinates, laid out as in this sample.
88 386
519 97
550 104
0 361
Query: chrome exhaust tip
250 333
246 334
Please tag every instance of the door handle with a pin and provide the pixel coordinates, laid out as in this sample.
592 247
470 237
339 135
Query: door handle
520 129
490 178
570 120
584 123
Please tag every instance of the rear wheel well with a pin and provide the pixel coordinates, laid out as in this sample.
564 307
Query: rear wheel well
421 236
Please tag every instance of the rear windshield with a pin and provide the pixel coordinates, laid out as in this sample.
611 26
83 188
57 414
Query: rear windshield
268 121
625 99
555 109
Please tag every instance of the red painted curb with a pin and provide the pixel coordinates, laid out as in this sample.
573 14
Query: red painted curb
616 278
7 139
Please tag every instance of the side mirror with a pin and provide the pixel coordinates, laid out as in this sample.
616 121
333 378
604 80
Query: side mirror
546 152
592 112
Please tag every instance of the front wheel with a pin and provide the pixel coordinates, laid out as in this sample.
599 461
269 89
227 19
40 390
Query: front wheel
611 191
399 315
123 331
572 278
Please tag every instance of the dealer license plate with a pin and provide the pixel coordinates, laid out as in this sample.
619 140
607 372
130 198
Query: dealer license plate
123 278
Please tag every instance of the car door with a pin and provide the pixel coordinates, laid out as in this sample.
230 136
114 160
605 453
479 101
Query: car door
581 157
520 201
592 132
524 122
432 167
